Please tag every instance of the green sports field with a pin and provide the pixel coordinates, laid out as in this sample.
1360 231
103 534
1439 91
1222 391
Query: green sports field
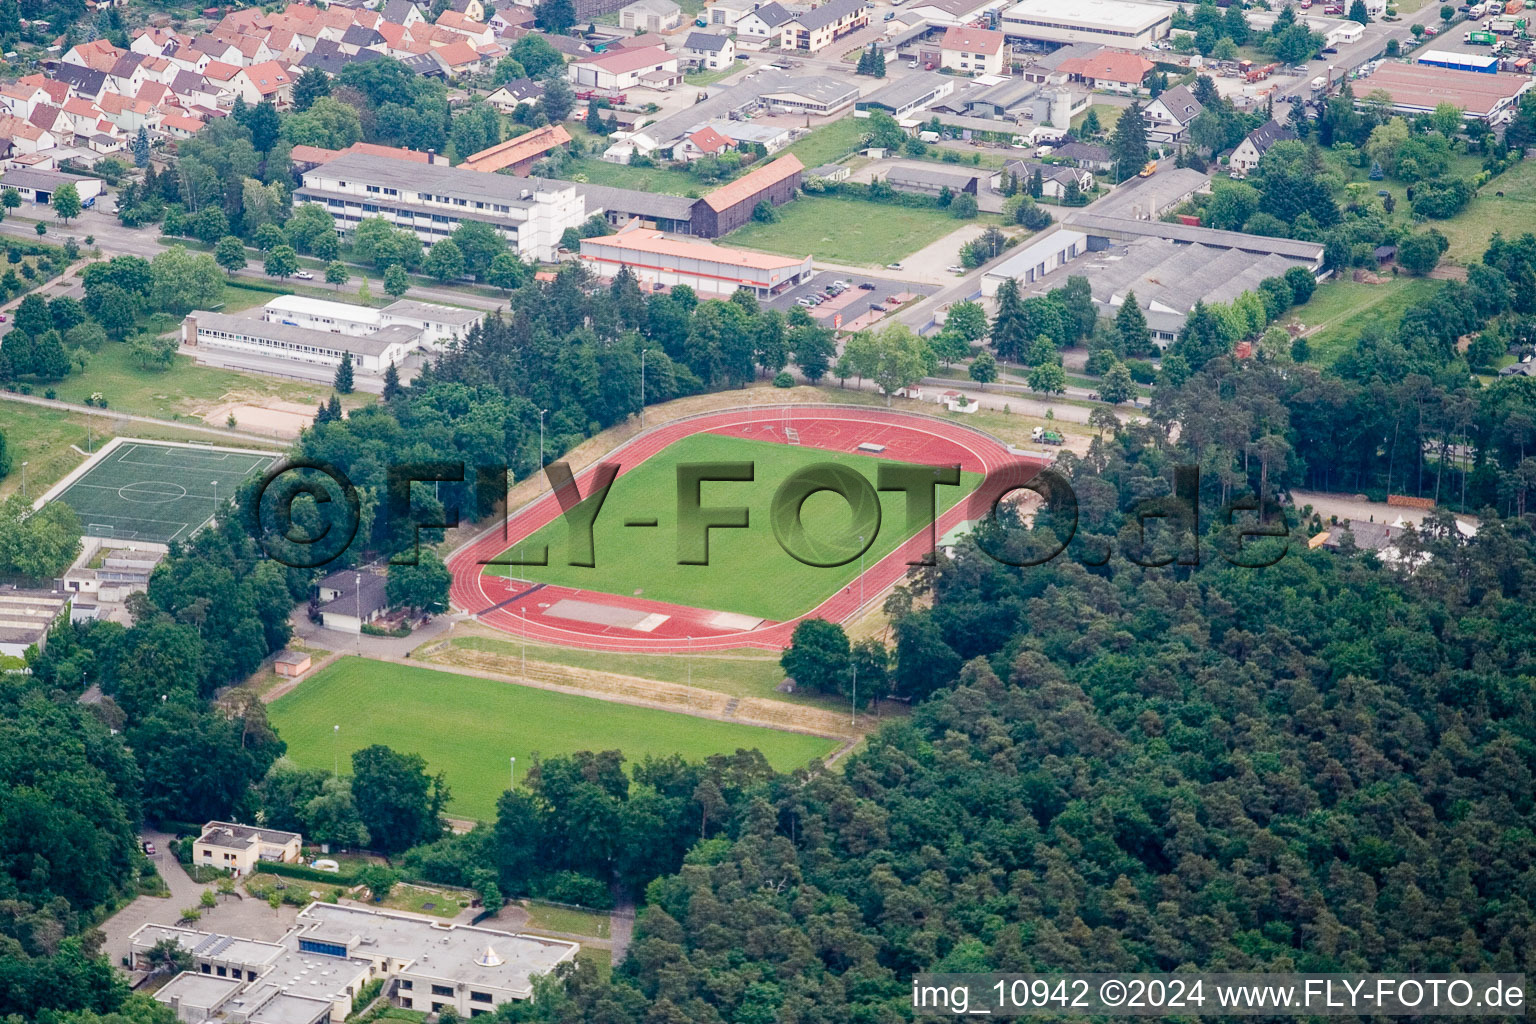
467 728
158 492
748 572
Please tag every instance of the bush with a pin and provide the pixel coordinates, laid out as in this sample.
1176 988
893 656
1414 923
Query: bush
1441 197
307 873
1141 371
783 380
582 890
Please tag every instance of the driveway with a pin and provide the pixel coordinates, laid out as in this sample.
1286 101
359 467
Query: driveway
248 918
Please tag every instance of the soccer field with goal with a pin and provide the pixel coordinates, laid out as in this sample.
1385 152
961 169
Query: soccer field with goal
146 490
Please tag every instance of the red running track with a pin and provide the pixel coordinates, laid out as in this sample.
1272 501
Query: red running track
519 608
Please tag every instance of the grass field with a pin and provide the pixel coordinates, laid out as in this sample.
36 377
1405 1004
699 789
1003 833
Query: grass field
548 918
846 231
467 728
748 572
1341 309
157 492
830 142
1513 212
664 180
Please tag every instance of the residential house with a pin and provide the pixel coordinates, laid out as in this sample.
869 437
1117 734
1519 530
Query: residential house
1169 116
653 16
626 69
1255 144
816 29
474 10
348 599
99 55
763 26
1111 70
515 93
973 51
21 100
477 32
157 42
402 12
355 39
127 74
1055 179
87 83
1088 155
704 142
266 81
458 58
178 125
240 849
709 50
25 137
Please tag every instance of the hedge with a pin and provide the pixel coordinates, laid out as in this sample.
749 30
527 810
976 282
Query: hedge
303 871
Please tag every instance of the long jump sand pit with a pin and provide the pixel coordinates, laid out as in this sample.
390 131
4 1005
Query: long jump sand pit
278 418
636 619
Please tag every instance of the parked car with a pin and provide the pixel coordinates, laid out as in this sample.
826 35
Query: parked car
803 301
867 286
149 849
3 318
304 275
912 65
956 269
892 266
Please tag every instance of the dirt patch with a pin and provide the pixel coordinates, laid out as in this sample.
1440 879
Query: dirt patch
263 416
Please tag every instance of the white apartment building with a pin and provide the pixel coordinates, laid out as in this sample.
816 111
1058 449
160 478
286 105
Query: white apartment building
432 200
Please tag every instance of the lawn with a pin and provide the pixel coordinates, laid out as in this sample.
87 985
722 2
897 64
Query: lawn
664 180
43 437
744 673
432 902
748 572
1340 309
846 231
1109 116
830 142
544 917
467 728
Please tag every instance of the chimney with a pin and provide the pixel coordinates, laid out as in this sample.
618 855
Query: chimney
431 156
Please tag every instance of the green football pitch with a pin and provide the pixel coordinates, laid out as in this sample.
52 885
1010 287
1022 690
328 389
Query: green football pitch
158 492
748 572
467 728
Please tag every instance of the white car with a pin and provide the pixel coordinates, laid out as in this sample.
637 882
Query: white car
955 269
304 275
912 64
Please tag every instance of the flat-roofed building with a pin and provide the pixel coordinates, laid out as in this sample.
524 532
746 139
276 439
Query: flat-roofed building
1419 88
109 570
1124 23
431 965
240 849
1035 258
371 354
436 323
820 96
433 199
195 998
38 186
26 616
707 269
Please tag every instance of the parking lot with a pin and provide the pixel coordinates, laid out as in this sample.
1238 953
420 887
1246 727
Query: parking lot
853 301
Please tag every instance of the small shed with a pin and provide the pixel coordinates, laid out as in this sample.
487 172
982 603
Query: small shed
291 664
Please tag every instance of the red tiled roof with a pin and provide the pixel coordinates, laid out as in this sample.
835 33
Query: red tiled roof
629 60
1108 66
709 141
972 40
753 182
514 151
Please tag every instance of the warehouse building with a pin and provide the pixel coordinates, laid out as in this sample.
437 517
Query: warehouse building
432 199
906 95
730 206
1128 24
708 269
1419 88
38 186
1482 63
821 96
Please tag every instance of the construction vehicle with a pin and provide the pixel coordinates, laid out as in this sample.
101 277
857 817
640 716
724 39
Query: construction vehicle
1149 170
1481 38
1042 436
